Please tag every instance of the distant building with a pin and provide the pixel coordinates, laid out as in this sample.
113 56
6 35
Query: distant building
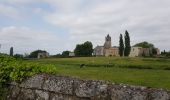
71 54
158 51
43 55
139 52
99 51
107 49
113 51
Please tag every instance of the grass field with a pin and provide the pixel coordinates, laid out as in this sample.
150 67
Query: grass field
151 72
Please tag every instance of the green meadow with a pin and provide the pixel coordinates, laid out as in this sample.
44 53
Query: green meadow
151 72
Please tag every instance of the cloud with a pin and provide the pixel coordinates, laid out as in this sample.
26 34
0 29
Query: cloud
87 20
8 11
25 40
93 20
18 2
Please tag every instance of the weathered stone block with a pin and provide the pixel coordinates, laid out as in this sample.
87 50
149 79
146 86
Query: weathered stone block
91 89
159 95
26 94
14 92
62 97
101 92
120 92
41 95
33 82
62 85
85 88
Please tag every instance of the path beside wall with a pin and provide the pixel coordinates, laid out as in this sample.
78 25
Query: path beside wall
50 87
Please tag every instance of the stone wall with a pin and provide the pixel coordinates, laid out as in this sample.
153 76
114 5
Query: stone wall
50 87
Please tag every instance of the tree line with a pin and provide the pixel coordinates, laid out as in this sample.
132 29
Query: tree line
86 49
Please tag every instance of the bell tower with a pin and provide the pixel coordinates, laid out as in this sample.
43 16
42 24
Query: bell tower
107 43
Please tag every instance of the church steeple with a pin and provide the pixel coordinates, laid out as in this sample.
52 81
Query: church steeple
108 38
107 43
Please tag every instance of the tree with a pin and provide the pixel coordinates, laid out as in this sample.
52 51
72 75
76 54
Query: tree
144 45
121 46
154 51
65 53
34 54
11 51
78 50
85 49
88 48
127 44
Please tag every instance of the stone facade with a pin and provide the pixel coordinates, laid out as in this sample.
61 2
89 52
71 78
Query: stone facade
114 51
43 55
107 49
99 51
139 52
50 87
71 54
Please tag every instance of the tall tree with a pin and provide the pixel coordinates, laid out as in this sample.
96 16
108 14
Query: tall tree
127 44
121 46
11 51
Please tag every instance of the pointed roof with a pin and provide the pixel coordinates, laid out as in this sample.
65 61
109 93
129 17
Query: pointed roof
108 35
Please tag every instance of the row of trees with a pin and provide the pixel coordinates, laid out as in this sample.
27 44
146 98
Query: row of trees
124 46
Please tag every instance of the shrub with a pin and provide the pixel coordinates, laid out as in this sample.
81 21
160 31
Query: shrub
12 69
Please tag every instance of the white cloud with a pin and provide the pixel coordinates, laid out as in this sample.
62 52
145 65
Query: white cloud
18 2
92 21
24 40
8 11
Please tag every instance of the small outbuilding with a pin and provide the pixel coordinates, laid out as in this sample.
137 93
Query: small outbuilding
43 55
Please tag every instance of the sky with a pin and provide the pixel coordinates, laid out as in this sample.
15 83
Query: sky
58 25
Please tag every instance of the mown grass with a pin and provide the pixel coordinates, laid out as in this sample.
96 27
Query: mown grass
151 72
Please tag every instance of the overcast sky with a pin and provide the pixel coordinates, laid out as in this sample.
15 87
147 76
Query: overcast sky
57 25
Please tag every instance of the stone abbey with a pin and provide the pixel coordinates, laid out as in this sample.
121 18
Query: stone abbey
108 50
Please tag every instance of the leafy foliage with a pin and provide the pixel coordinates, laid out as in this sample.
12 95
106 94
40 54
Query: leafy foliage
12 69
144 45
127 44
85 49
121 46
65 53
34 54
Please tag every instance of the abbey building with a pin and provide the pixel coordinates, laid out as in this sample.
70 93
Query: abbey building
107 49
